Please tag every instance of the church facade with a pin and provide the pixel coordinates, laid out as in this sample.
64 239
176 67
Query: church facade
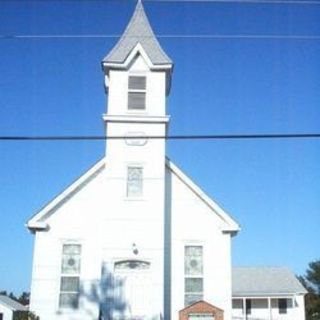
135 237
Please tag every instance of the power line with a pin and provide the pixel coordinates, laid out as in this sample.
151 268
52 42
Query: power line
299 2
168 36
289 2
170 137
303 2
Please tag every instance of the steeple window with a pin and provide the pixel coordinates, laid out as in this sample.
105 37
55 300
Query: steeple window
137 92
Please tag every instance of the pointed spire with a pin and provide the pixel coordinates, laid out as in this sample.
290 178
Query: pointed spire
138 31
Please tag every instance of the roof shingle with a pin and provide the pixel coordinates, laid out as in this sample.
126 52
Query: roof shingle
12 304
138 31
258 281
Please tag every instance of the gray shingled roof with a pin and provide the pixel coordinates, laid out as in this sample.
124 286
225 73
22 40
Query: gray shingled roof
12 304
258 281
138 31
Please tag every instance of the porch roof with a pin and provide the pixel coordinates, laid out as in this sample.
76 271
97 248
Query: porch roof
12 304
264 282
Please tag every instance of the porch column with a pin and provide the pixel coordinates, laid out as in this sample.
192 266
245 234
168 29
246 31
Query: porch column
269 308
293 299
244 308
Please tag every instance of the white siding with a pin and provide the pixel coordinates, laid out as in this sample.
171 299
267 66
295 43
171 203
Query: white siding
6 312
118 90
194 222
260 309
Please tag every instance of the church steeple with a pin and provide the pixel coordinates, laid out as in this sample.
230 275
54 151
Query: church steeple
137 77
138 39
138 31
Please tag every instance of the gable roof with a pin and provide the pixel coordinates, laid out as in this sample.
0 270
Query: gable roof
230 225
12 304
38 221
202 305
265 281
140 32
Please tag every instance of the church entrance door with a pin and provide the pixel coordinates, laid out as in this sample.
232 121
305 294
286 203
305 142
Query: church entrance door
135 291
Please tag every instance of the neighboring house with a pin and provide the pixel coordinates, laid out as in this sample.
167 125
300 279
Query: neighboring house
266 293
8 307
134 237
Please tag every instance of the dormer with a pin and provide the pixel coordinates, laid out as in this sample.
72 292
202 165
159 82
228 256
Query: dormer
137 70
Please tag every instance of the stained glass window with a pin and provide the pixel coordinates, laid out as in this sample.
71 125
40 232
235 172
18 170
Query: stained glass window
193 260
70 276
134 181
71 259
193 270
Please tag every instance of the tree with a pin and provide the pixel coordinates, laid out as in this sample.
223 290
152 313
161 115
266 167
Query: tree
313 276
311 282
24 298
24 315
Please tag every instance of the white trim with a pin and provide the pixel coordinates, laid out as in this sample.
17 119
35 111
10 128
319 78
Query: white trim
60 274
194 243
135 118
37 222
137 49
7 306
265 296
230 225
11 307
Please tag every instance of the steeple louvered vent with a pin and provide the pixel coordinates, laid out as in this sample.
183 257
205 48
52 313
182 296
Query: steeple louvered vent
137 92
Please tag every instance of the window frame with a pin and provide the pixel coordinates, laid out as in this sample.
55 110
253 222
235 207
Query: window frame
76 274
135 91
199 276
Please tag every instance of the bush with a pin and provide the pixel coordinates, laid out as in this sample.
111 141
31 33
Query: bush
24 315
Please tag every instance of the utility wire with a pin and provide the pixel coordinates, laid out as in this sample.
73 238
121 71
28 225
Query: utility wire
170 137
299 2
168 36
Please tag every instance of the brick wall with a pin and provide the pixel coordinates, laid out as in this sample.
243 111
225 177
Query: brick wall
201 307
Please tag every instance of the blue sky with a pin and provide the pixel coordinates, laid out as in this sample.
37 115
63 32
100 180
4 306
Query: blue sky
54 86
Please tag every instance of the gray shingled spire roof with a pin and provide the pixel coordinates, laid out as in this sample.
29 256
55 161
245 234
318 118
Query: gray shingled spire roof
260 281
138 31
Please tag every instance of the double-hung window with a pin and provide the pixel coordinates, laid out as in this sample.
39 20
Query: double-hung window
134 181
283 305
70 276
193 274
248 306
137 86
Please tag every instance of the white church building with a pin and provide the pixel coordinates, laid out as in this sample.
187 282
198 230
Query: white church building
134 238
